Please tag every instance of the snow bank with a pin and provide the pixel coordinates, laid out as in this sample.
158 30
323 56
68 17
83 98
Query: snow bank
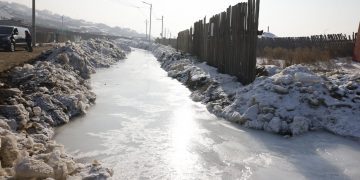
47 93
288 101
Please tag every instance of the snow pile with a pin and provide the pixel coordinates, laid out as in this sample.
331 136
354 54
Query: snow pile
36 97
88 55
303 101
288 101
134 43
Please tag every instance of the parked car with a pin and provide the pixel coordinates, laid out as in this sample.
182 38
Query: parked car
12 37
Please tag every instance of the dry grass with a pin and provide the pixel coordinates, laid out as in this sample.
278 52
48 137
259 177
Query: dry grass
11 59
296 56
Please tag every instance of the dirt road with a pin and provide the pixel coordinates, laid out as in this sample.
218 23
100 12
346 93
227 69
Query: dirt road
11 59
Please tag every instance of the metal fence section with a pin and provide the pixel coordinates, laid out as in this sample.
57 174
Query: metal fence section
228 41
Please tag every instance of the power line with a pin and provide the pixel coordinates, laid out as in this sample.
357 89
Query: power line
127 3
141 11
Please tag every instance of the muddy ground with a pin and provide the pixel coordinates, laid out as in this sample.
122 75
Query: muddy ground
20 56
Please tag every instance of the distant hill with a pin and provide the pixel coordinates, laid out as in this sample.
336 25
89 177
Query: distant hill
48 19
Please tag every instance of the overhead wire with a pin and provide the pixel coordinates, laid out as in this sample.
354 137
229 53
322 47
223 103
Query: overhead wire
139 6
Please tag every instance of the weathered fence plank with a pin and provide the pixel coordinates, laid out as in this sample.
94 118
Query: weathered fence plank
227 41
167 42
357 46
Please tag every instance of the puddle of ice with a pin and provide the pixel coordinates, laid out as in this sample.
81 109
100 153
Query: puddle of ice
145 126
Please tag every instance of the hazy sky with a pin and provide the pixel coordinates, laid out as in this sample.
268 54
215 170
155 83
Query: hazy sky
285 17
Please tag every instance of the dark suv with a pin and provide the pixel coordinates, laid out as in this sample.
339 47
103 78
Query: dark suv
12 37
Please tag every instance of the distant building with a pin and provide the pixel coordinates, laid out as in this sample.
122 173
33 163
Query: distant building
13 22
268 35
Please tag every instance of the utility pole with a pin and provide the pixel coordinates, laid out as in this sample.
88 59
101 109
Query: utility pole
168 32
33 24
150 22
162 26
146 29
62 28
150 19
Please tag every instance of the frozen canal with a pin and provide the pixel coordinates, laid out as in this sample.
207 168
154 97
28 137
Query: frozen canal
145 126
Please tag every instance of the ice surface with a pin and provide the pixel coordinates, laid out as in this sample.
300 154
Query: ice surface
145 126
329 99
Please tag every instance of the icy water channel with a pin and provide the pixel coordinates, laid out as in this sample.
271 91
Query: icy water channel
145 126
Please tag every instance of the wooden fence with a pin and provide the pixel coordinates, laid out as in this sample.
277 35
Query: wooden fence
63 36
228 41
167 42
357 47
184 41
338 45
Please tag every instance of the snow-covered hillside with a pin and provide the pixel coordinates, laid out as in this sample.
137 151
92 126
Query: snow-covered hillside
48 19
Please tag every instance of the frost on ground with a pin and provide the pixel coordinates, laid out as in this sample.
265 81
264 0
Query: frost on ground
288 101
36 97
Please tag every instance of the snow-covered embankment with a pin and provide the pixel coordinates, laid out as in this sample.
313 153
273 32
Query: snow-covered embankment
288 101
36 97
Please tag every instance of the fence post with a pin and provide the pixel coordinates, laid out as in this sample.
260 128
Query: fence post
252 68
228 41
357 46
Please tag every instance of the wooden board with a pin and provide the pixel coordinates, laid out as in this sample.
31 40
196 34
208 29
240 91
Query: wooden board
357 47
227 41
